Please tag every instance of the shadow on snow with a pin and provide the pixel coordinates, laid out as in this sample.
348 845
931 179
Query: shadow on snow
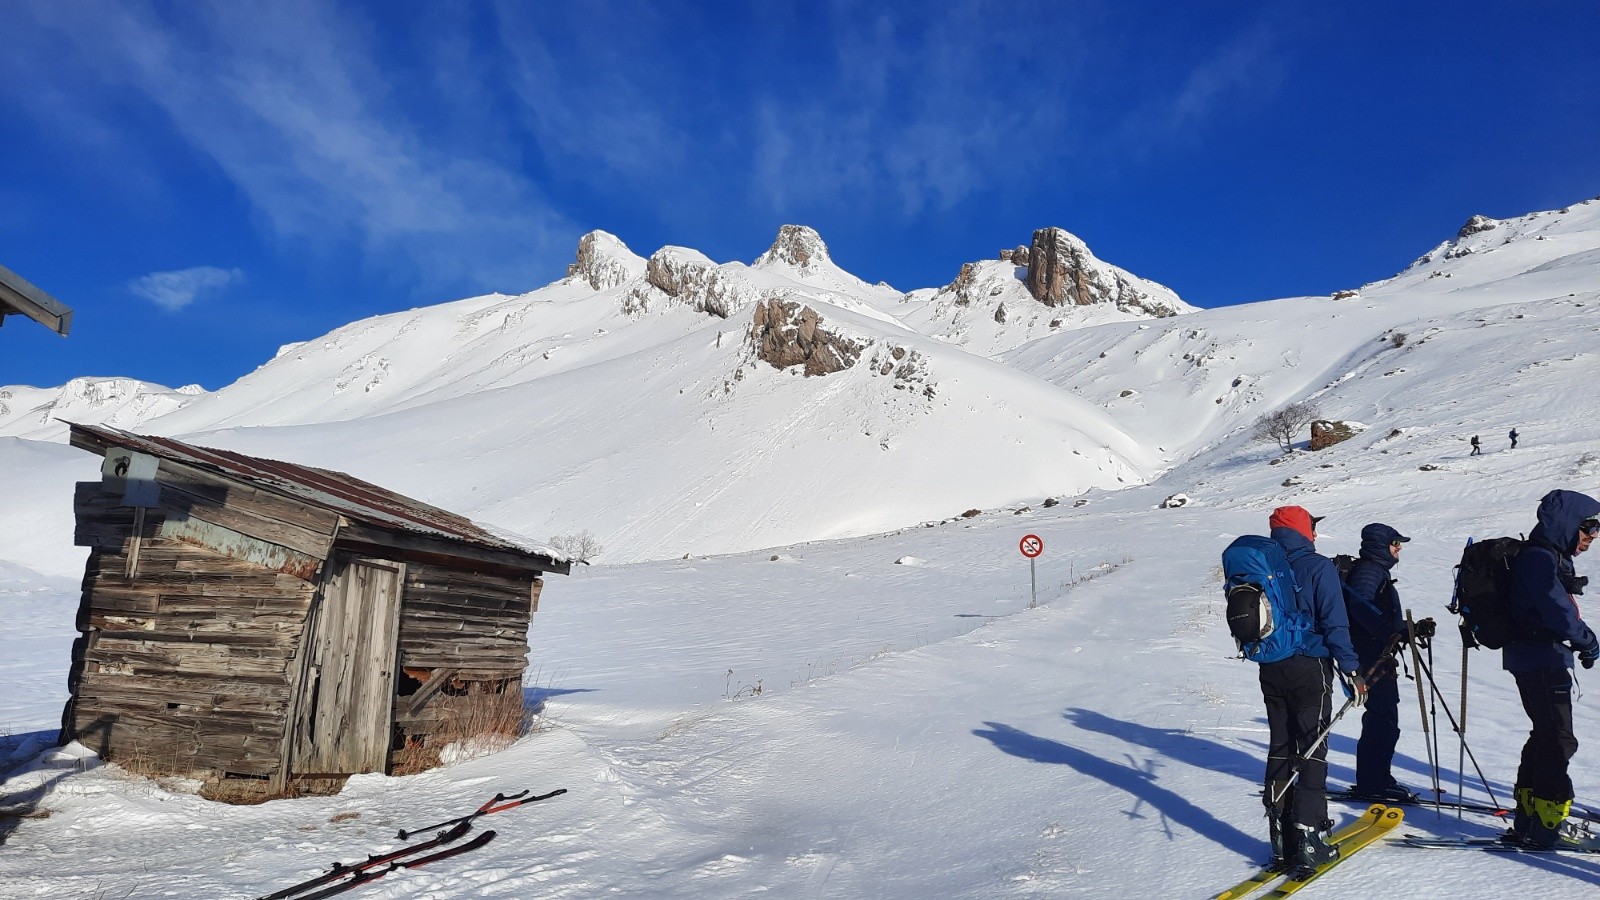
1129 777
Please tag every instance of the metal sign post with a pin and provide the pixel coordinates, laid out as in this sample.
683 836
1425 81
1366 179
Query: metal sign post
1031 546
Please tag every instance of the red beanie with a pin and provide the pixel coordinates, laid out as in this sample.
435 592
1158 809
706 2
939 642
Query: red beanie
1294 517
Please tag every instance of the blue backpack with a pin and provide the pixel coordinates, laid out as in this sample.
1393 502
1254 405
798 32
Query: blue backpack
1264 613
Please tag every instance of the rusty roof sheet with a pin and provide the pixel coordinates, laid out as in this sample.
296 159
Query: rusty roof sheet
345 494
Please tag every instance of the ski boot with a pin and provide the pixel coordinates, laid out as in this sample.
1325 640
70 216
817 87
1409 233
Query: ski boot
1315 850
1545 818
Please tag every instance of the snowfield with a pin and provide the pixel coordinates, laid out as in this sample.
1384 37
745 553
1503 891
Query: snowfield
788 712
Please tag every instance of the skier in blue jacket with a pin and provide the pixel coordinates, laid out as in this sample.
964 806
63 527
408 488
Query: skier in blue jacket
1544 590
1373 605
1298 696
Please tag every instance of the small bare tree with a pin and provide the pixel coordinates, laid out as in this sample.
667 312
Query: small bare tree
580 547
1282 426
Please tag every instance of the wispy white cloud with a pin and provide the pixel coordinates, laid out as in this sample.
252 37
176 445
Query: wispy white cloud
173 291
287 101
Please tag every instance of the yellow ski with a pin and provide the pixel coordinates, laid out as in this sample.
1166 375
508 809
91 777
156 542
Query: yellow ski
1388 818
1266 876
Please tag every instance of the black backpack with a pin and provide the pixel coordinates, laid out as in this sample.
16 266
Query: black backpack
1344 562
1483 593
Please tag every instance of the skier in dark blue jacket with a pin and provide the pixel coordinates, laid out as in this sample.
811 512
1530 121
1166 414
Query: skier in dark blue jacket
1544 589
1298 696
1373 605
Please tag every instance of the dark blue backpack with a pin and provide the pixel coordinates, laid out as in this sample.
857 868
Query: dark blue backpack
1264 611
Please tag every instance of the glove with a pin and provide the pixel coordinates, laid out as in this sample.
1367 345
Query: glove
1589 655
1421 633
1355 688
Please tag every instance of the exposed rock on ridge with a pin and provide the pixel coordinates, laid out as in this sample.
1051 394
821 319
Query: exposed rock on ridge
605 262
689 277
1062 272
797 246
784 333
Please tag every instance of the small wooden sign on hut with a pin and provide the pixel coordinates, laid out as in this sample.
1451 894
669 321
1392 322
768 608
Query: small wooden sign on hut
255 623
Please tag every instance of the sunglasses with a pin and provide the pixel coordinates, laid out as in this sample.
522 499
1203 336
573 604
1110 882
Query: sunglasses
1590 527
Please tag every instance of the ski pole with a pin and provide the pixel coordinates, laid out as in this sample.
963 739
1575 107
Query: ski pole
1422 710
1465 749
1299 763
1461 754
1433 716
500 803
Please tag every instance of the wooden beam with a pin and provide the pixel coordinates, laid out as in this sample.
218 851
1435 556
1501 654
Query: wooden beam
426 692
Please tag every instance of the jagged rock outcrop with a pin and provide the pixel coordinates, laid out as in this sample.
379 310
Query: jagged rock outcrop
605 262
784 333
965 285
1017 256
1062 272
1476 225
689 277
797 246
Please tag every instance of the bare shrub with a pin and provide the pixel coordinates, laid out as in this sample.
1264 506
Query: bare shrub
1281 427
580 547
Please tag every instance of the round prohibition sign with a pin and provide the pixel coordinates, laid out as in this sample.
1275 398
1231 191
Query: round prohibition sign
1031 545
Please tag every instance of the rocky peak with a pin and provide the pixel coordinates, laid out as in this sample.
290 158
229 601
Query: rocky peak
689 277
605 262
798 246
1476 225
1062 272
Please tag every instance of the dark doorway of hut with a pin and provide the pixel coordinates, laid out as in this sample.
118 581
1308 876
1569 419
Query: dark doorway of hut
345 704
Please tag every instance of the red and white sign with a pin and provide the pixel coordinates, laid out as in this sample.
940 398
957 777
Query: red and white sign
1031 546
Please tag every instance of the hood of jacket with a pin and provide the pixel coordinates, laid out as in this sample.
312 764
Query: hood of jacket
1375 541
1560 512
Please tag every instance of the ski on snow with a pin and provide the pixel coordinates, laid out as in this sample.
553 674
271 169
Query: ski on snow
1376 822
366 876
350 875
343 870
1345 796
1495 845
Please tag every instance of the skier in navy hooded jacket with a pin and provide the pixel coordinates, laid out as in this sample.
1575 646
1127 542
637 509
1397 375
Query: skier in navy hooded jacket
1297 693
1373 605
1545 607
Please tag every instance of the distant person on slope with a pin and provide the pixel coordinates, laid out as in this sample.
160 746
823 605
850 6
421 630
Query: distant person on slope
1544 606
1475 448
1513 436
1373 606
1298 696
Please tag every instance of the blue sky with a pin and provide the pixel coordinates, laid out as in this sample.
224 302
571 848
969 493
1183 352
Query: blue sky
203 183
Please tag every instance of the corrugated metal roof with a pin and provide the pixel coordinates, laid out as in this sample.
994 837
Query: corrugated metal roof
345 494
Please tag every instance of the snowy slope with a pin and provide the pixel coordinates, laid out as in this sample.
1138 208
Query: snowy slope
646 377
39 413
918 730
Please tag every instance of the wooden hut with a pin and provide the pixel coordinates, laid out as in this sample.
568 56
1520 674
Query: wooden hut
18 297
258 624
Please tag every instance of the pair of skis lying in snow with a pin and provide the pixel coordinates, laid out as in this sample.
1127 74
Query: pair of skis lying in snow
347 876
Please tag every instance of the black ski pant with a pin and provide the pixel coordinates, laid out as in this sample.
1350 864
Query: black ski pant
1297 692
1547 699
1380 725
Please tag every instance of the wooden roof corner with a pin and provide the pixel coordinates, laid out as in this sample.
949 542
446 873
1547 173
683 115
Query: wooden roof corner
20 297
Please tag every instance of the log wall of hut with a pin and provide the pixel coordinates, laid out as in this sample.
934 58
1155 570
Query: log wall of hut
184 668
463 649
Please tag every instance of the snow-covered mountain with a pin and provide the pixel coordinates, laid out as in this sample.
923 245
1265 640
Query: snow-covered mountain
721 406
883 716
38 413
675 405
